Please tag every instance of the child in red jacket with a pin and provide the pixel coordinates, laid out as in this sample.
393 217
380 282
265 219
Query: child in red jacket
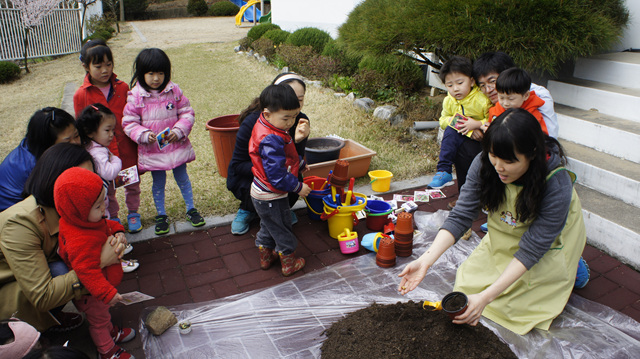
79 197
102 86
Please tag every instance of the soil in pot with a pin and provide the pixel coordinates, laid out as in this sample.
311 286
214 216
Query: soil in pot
405 330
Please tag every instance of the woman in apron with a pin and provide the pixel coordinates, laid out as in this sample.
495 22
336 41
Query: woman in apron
523 271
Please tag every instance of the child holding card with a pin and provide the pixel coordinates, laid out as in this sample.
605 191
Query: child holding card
154 104
464 110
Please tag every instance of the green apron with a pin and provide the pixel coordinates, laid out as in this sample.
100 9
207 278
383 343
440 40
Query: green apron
540 295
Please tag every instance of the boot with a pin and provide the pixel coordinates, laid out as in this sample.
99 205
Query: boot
290 264
268 256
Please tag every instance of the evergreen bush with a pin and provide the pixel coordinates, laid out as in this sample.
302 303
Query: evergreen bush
348 64
538 34
309 36
277 36
397 71
8 71
296 57
257 31
245 43
223 8
264 47
197 7
134 9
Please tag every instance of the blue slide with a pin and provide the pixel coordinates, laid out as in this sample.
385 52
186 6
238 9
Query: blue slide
248 15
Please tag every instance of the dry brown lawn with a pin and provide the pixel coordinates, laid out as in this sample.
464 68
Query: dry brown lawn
218 82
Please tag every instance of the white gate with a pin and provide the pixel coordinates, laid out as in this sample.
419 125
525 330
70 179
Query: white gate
58 34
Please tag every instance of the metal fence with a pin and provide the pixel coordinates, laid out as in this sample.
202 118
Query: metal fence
58 34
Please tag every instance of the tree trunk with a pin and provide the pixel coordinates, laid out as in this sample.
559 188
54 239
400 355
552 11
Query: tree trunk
26 46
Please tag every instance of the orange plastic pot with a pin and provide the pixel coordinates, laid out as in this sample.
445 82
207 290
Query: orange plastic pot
223 131
386 256
404 223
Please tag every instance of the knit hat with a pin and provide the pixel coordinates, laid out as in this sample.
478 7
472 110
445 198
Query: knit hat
74 193
25 337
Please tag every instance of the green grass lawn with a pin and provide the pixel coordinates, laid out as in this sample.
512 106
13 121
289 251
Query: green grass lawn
218 82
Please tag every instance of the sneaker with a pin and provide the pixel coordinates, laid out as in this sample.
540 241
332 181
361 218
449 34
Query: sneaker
195 218
127 249
129 266
68 321
582 276
162 224
133 221
441 179
115 219
116 353
240 224
122 335
484 227
294 218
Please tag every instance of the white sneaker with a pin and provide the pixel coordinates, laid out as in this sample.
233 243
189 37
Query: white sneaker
129 266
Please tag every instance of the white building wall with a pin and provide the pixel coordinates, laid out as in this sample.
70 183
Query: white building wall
631 37
327 15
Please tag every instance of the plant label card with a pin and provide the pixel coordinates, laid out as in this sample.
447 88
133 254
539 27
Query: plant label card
162 138
134 297
127 176
457 121
436 194
393 203
421 196
402 197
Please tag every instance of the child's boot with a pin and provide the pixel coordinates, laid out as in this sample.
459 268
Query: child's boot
268 256
290 264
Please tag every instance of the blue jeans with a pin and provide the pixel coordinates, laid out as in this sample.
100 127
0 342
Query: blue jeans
451 141
160 181
57 269
275 225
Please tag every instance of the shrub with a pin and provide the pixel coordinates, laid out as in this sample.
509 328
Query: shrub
223 8
309 36
347 64
264 47
8 71
245 43
296 57
134 9
197 7
257 31
100 27
367 82
277 36
341 83
539 35
322 68
398 71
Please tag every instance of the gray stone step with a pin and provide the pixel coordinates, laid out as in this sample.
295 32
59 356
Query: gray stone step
611 225
616 68
608 134
607 174
613 100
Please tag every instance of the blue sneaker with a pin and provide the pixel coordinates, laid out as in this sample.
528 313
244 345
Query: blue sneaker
484 227
582 276
294 218
240 224
441 179
133 222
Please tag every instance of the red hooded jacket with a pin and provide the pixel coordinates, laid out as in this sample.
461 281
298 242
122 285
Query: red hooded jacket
80 241
88 94
532 104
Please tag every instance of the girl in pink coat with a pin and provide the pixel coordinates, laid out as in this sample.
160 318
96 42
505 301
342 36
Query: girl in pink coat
159 118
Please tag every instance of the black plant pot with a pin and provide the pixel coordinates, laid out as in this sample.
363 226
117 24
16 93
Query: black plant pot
322 149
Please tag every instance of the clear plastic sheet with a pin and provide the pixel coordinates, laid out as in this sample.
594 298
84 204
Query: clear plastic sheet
287 320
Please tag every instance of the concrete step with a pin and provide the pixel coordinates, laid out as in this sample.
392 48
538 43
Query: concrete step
607 174
608 134
616 68
607 99
611 225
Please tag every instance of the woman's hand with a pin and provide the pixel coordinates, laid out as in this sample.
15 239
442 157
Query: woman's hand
115 300
412 275
472 315
302 130
112 250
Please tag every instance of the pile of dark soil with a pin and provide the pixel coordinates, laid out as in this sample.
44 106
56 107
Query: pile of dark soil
405 330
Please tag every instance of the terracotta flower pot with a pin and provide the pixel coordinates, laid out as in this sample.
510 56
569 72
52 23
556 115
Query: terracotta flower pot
403 244
454 304
386 256
340 174
223 131
404 224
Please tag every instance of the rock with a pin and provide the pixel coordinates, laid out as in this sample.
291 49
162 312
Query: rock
422 134
257 56
364 103
285 69
384 112
160 320
262 59
250 53
237 48
339 94
315 83
397 120
351 96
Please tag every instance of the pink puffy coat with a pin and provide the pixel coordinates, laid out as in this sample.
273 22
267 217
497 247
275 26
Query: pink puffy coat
148 111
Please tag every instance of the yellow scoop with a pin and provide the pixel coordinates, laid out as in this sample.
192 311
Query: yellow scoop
432 306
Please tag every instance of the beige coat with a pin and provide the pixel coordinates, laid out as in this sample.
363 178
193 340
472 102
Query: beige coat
28 242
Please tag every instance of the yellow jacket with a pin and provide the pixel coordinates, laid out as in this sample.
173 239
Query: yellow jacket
475 105
28 242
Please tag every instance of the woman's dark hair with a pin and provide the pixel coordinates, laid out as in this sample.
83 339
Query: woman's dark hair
89 120
279 97
53 162
457 64
44 127
56 352
94 51
151 60
491 62
284 78
516 130
513 81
